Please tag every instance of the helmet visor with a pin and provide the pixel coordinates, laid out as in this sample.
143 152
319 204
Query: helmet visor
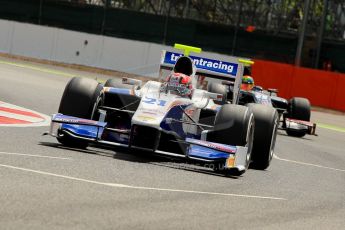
246 86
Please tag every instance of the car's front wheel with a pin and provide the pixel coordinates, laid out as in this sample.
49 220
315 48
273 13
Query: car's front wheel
234 125
80 99
265 134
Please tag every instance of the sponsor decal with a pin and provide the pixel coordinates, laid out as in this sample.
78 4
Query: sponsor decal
205 63
220 147
74 120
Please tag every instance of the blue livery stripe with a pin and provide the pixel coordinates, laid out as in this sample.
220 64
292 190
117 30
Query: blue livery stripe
84 130
206 153
120 91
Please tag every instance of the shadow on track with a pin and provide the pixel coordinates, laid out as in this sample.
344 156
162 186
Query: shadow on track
125 154
281 133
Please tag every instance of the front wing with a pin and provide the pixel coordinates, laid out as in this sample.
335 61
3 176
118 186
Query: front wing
299 125
198 150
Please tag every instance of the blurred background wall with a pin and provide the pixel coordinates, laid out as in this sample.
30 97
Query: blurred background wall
263 29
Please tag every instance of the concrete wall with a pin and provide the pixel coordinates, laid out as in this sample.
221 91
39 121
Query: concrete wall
6 32
81 48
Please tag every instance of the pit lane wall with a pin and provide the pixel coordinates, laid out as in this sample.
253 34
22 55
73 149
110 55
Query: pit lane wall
322 88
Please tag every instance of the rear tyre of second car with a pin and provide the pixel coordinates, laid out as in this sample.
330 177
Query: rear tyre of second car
299 109
219 89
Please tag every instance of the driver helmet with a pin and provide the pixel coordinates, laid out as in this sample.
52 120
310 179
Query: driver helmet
179 83
247 83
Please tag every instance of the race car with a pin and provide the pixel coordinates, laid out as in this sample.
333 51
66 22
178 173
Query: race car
294 114
170 116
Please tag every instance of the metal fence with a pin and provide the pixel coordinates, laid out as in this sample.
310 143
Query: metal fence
223 26
275 16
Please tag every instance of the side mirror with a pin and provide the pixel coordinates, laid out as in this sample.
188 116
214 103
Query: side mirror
257 88
273 91
131 81
214 96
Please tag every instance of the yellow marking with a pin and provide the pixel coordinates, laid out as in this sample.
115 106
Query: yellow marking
146 118
187 49
230 162
246 62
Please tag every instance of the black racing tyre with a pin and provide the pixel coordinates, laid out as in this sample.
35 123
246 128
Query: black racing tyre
234 125
299 109
265 134
116 84
80 99
213 87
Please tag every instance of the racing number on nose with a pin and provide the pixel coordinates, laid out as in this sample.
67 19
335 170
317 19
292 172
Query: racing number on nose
152 101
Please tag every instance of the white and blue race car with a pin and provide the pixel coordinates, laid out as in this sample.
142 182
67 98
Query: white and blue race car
157 117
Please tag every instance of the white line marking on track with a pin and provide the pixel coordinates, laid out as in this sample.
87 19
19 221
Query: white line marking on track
137 187
32 155
309 164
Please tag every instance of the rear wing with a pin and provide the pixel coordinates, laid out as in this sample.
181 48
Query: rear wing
205 66
217 69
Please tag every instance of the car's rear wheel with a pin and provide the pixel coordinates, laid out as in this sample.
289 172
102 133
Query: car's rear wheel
299 109
234 125
265 134
213 87
80 99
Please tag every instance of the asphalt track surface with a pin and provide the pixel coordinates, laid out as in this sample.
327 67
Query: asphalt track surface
47 186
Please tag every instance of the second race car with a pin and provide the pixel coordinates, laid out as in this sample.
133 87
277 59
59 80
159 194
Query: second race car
294 114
